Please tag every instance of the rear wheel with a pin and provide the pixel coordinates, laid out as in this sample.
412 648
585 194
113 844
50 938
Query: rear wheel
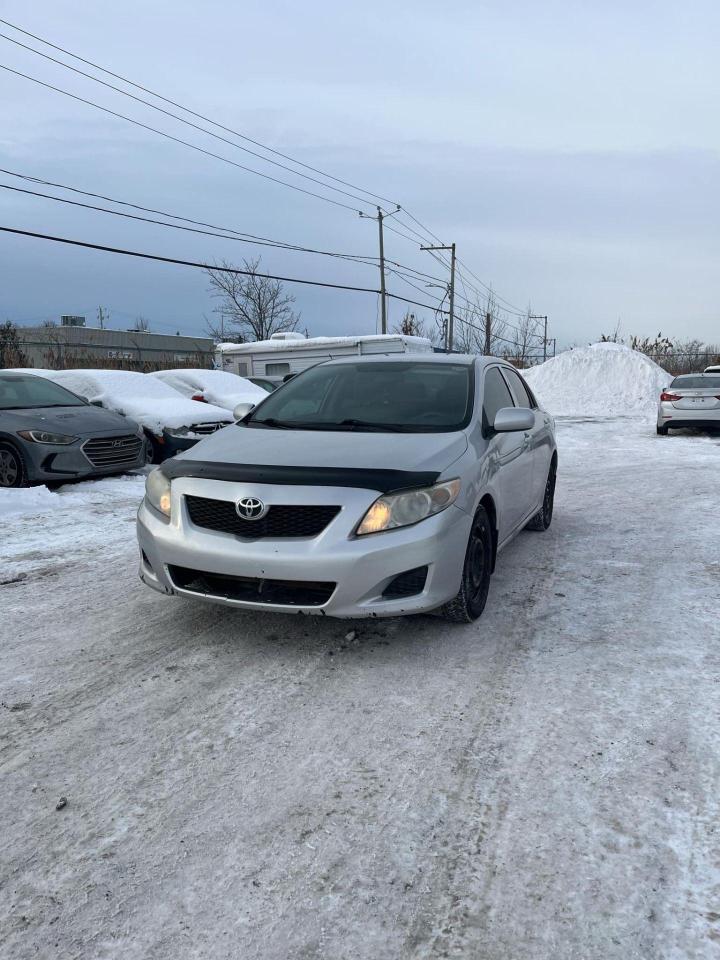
543 518
470 599
12 467
662 431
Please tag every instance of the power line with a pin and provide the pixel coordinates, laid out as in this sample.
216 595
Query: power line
193 113
169 136
205 266
177 226
169 113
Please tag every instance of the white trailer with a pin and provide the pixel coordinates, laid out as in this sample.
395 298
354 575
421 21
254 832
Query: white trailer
288 353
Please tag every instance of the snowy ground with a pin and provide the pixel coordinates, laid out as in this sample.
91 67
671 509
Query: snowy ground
543 784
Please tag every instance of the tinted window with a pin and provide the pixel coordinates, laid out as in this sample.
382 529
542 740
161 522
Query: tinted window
407 396
18 392
707 381
520 393
496 396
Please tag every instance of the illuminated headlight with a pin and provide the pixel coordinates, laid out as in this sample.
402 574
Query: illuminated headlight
403 509
157 491
42 436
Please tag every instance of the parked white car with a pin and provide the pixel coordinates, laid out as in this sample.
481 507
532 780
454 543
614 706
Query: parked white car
212 386
691 400
170 421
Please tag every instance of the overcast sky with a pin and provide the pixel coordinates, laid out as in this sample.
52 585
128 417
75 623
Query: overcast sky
570 149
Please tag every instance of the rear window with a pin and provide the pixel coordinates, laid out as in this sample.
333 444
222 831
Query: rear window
706 381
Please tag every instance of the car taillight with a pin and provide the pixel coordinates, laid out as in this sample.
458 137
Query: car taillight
199 397
670 396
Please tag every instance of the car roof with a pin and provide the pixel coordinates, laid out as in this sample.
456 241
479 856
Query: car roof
705 373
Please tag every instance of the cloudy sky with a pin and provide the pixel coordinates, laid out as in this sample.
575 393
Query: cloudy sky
570 149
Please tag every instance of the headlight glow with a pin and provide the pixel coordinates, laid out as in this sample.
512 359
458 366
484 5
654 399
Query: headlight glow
43 436
403 509
157 491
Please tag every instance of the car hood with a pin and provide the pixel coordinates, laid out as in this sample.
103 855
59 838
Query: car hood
70 420
322 448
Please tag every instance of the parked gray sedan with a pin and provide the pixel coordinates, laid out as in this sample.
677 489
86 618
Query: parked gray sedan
48 434
362 487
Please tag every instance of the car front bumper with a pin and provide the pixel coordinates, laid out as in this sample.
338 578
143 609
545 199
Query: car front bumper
48 463
360 568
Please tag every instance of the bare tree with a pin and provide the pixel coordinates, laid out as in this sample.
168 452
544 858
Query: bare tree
141 325
411 326
11 351
253 306
527 339
471 324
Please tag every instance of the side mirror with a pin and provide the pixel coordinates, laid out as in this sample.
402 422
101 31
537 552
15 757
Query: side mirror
242 410
513 420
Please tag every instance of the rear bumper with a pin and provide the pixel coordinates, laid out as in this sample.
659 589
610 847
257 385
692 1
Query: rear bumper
672 417
359 568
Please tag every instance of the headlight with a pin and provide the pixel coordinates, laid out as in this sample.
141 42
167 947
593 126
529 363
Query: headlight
42 436
157 491
402 509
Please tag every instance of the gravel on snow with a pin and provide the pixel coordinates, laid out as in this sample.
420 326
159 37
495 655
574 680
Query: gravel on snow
542 784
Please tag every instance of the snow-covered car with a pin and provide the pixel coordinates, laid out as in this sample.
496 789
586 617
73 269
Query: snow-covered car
212 386
714 368
365 487
171 422
50 435
691 400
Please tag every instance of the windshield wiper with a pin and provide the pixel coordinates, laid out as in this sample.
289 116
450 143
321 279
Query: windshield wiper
271 422
370 425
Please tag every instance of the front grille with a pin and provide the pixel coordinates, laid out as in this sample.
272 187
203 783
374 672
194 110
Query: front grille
406 584
112 451
280 521
290 593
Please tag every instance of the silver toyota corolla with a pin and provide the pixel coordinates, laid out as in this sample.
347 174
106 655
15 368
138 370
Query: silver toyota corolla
363 487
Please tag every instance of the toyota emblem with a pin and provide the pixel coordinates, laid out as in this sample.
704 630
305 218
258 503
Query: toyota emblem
250 508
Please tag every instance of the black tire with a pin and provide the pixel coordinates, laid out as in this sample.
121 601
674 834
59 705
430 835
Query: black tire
150 451
470 599
12 467
543 518
662 431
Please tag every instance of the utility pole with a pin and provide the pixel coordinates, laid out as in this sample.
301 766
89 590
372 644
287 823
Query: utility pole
451 319
381 215
488 333
534 316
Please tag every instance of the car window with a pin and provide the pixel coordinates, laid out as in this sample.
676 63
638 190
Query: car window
705 381
408 396
25 392
521 395
496 395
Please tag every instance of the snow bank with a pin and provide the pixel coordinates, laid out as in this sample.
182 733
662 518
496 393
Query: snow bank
217 386
602 380
26 500
143 398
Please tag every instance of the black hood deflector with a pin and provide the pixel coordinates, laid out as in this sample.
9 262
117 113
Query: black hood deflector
381 480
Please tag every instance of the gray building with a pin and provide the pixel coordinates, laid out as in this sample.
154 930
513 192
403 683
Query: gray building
72 344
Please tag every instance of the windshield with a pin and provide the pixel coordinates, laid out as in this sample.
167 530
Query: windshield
402 397
24 392
707 381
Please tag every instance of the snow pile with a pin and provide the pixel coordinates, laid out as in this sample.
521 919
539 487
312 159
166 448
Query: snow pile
602 380
217 386
26 500
146 400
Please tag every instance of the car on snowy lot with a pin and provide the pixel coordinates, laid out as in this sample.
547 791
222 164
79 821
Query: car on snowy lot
691 400
374 486
219 387
170 421
49 434
715 368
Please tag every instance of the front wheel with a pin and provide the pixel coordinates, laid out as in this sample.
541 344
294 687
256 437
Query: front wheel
543 518
12 468
469 602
